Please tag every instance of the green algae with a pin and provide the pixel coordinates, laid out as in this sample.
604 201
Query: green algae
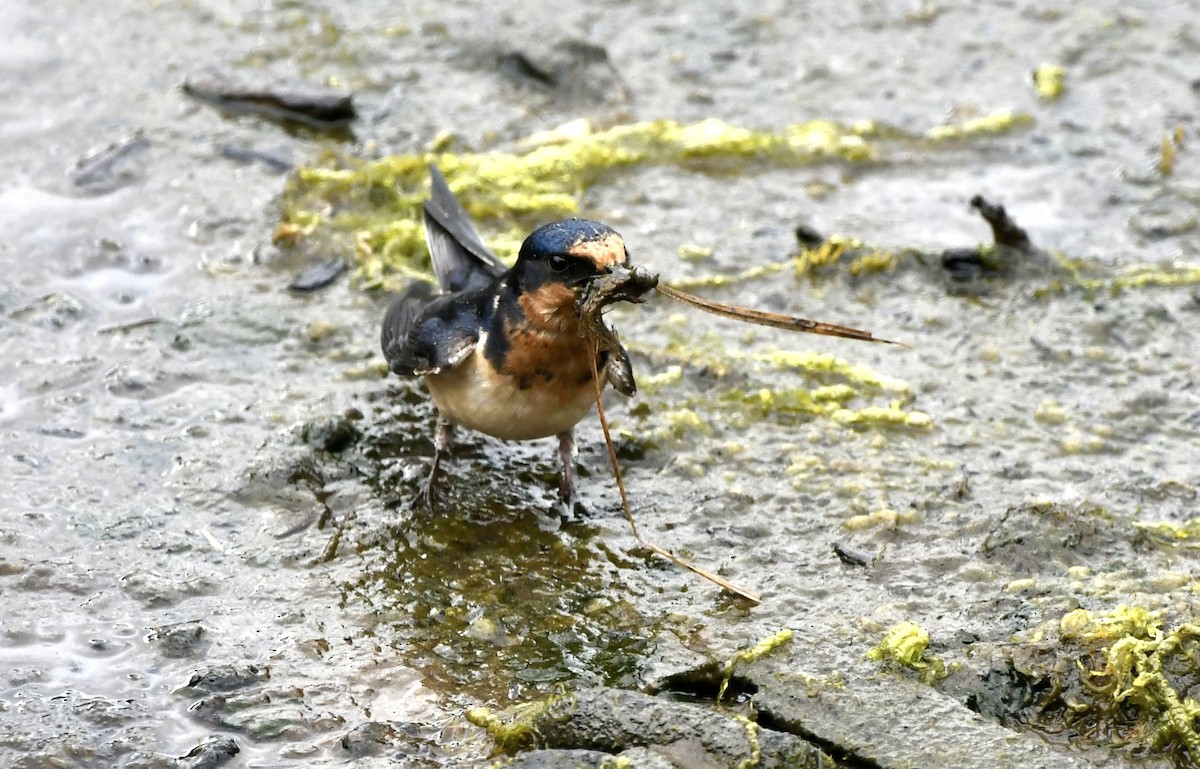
824 402
1170 533
752 729
882 518
1059 274
1170 144
860 258
1135 671
371 207
904 645
837 383
515 729
486 599
754 653
750 273
1147 276
994 124
689 252
376 203
1049 80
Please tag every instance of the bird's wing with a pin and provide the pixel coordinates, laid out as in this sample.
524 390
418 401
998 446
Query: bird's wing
428 337
460 258
402 314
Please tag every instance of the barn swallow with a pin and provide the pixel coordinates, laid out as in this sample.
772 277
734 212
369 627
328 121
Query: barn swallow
503 350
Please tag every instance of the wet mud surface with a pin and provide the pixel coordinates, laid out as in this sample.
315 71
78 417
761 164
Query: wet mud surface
182 434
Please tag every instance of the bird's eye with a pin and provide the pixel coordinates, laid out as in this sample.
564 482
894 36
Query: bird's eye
559 263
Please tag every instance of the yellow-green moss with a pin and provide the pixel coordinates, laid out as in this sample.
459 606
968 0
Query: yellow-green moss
905 645
818 363
1186 533
655 382
832 400
690 252
1050 413
1049 80
883 416
516 728
987 125
378 201
1063 274
1077 442
1166 157
828 253
372 206
756 652
1135 652
1143 276
1083 275
864 259
755 757
704 281
874 260
884 517
825 402
683 421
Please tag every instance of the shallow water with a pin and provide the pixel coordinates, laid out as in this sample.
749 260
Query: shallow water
166 515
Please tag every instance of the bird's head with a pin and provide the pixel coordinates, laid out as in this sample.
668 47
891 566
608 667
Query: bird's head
561 260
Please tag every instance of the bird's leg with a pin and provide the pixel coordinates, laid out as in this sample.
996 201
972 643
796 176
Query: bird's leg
568 495
443 435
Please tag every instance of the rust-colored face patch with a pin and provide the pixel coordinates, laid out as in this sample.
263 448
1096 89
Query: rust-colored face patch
603 252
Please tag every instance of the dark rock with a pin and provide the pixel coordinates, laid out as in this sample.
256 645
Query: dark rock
573 71
808 237
1005 231
1047 538
212 754
613 720
262 713
278 160
852 556
185 639
1012 248
111 168
280 476
368 739
318 276
330 433
54 312
226 678
303 103
882 721
637 758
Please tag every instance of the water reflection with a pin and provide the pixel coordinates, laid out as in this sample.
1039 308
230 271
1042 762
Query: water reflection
491 597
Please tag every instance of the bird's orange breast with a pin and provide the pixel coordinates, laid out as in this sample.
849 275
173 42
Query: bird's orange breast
542 385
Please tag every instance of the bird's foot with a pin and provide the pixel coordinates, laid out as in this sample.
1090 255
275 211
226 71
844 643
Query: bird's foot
442 438
570 505
428 495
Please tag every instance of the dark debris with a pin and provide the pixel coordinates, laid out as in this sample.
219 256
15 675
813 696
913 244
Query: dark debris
318 276
291 102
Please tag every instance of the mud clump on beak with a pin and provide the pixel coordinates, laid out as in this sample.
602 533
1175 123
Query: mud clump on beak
617 284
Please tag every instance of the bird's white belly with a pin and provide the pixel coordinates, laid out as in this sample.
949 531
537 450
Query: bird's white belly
474 395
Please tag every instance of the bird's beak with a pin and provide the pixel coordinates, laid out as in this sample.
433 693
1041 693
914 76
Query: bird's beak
616 284
620 273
